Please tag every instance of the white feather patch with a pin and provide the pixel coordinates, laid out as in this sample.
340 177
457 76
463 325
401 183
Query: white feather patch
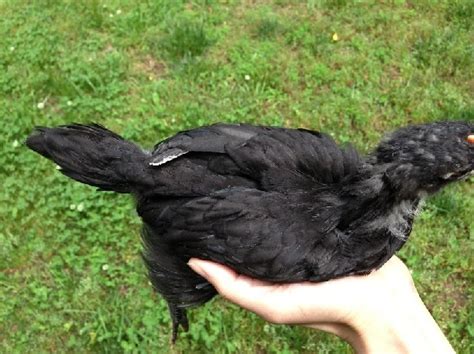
166 159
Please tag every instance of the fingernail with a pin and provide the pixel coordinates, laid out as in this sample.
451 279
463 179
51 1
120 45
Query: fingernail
193 264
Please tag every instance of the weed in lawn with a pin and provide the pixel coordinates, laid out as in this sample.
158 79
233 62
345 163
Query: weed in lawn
267 28
461 12
185 40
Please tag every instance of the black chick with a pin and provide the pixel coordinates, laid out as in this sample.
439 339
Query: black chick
276 204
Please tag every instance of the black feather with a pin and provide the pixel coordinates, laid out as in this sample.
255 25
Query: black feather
93 155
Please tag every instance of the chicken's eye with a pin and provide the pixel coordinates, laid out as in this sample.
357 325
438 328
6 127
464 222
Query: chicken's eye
470 139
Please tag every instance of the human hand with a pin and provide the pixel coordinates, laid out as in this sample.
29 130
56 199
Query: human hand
378 312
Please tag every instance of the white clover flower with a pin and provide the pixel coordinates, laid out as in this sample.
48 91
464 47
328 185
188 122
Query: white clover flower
16 143
58 167
80 207
40 105
12 48
72 206
118 12
105 267
111 15
247 77
69 103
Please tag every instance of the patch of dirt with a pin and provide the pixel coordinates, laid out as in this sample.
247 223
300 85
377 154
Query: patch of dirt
151 67
454 292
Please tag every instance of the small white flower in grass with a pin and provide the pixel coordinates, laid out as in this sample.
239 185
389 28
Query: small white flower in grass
111 15
16 143
58 167
69 103
80 207
105 267
118 12
72 206
12 48
247 77
42 103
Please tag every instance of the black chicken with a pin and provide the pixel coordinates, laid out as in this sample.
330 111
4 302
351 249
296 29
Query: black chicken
276 204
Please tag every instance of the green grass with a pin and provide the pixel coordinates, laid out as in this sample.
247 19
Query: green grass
71 276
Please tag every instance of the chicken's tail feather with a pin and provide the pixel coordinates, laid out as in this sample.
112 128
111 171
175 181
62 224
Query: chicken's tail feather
93 155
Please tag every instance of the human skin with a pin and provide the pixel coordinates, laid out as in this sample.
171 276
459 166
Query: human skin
377 313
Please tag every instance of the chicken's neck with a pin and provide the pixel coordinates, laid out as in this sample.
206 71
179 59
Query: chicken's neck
374 208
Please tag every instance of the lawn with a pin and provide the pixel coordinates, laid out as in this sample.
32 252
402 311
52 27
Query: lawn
72 279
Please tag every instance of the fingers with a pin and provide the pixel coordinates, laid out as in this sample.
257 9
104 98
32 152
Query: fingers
220 276
241 290
275 303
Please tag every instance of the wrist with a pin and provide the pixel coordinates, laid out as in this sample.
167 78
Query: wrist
401 325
